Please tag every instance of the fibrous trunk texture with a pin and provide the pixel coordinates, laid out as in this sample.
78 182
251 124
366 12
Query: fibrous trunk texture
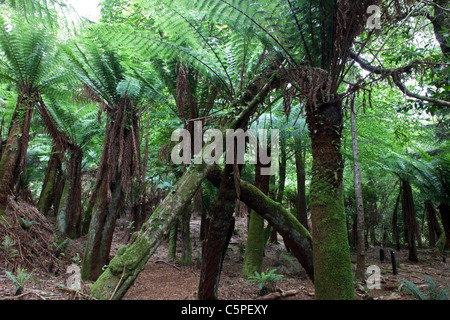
217 237
114 177
14 154
131 260
69 209
333 277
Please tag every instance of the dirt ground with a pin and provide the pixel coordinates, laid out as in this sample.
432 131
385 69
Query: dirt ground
165 279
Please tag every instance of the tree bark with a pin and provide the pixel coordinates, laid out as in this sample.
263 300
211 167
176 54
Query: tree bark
216 241
69 218
409 219
360 247
302 214
131 259
333 276
395 233
15 147
434 231
444 210
294 234
47 197
441 23
254 249
114 177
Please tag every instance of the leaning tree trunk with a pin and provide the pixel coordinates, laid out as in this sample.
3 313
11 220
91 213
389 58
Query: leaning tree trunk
124 268
294 234
131 260
332 266
114 178
13 156
217 237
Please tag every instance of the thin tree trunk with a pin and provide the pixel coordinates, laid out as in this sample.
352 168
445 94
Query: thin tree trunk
395 233
302 214
409 218
173 237
333 276
360 247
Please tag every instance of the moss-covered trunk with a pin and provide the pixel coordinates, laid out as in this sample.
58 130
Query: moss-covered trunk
16 145
186 246
254 249
131 259
333 277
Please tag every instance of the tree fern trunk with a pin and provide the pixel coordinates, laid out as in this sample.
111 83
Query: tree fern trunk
115 177
444 210
46 199
254 249
333 277
15 146
132 259
434 231
101 229
69 218
409 218
216 241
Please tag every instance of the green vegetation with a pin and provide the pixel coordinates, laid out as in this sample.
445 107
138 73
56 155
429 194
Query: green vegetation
88 109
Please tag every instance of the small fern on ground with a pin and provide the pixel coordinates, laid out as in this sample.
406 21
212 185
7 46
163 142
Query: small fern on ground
432 290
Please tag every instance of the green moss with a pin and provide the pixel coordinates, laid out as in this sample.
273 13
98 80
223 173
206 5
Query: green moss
333 277
254 249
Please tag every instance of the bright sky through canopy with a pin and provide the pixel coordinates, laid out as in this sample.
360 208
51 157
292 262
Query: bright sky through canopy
86 8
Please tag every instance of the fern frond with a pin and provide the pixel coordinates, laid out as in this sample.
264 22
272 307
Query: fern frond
413 289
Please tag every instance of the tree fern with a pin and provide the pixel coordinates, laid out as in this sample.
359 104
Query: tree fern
29 58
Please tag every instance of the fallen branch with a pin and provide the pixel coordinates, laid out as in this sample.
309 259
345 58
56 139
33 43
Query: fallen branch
169 264
278 295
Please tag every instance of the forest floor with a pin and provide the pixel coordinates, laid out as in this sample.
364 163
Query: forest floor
165 279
